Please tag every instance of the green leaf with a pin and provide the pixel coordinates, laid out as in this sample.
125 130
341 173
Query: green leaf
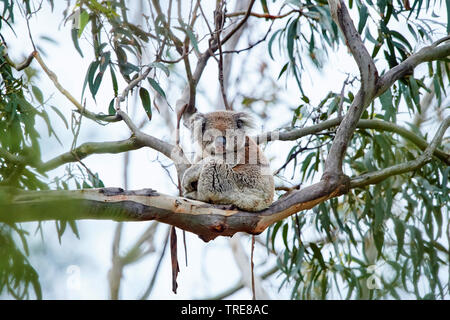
38 94
306 163
363 14
90 76
59 113
157 87
114 81
269 45
96 85
283 70
447 2
274 232
291 35
264 6
188 30
161 66
74 34
318 255
111 109
285 234
105 60
386 103
415 92
399 229
74 228
192 38
84 19
400 37
145 99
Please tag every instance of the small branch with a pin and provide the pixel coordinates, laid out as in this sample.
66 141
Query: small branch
130 86
294 134
115 273
262 15
436 51
74 101
90 148
375 177
240 24
149 289
19 67
170 151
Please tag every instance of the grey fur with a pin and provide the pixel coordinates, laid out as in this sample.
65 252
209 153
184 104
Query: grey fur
235 175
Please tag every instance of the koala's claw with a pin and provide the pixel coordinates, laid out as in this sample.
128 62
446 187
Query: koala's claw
190 195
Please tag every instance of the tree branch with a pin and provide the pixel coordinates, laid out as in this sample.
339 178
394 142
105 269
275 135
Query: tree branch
20 66
438 50
67 94
377 176
90 148
369 78
290 134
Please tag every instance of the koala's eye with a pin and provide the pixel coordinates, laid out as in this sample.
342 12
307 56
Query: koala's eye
203 127
239 123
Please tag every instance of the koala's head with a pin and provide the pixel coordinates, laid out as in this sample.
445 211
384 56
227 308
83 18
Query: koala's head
220 132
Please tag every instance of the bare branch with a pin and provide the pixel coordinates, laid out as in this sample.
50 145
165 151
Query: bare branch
89 148
22 65
369 78
263 15
67 94
290 134
131 86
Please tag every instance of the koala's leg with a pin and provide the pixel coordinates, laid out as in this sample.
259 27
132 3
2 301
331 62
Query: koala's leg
215 182
255 190
250 200
246 188
189 182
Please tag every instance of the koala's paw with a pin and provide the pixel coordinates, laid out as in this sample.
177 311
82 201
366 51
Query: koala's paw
189 185
190 195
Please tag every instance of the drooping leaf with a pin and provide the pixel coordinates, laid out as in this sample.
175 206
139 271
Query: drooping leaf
363 14
145 99
157 87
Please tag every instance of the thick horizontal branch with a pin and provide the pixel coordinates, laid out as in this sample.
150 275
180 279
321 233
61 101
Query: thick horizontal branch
206 220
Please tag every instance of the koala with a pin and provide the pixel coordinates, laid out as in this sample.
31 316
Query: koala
229 167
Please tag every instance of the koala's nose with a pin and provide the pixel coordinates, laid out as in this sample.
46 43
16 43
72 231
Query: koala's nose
221 141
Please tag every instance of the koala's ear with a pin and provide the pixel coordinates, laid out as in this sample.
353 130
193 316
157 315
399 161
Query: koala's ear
244 120
196 121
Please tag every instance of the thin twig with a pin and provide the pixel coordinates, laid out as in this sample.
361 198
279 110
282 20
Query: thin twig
67 94
263 15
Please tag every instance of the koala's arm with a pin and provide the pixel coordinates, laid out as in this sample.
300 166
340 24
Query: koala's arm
190 180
